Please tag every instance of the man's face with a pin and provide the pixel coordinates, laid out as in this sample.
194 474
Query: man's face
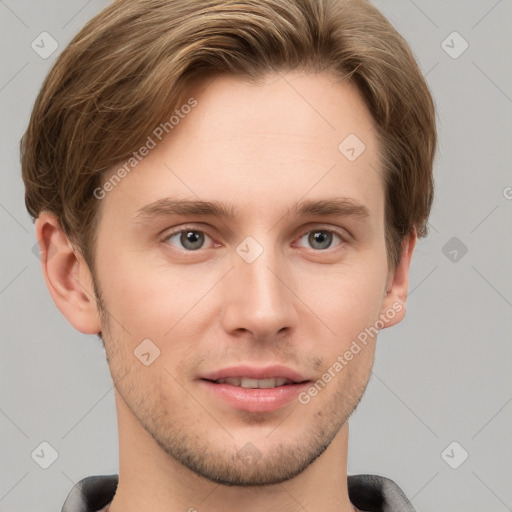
267 292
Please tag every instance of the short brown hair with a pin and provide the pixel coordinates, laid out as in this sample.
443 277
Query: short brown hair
129 68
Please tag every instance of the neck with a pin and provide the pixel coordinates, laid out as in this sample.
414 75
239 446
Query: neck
150 479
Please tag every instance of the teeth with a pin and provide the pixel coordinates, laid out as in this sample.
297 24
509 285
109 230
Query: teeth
234 381
271 383
248 383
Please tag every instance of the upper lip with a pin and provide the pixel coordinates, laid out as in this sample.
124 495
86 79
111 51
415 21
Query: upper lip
253 372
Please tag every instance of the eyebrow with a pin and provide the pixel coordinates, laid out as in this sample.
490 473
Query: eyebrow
168 206
342 207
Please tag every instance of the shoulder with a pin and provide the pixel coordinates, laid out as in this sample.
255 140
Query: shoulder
91 494
377 493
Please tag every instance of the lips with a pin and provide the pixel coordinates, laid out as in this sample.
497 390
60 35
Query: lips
248 383
259 373
255 389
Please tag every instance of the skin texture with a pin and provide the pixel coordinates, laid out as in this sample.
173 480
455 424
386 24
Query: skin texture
261 148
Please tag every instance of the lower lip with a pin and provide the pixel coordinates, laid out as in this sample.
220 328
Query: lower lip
255 400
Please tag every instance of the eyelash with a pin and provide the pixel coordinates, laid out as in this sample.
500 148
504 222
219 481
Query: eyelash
341 238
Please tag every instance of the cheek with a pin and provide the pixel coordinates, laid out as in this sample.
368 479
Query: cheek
346 301
153 298
149 297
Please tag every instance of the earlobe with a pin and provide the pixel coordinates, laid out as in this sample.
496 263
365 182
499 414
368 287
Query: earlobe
393 306
67 276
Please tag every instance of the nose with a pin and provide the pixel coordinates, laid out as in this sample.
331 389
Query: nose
259 299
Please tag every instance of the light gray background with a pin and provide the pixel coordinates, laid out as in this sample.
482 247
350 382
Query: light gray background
443 375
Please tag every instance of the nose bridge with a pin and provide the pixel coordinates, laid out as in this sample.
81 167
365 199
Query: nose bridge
259 301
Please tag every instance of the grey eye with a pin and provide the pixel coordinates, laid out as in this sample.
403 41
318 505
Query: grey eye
320 239
188 239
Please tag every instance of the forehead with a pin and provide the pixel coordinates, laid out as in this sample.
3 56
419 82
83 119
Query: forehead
290 137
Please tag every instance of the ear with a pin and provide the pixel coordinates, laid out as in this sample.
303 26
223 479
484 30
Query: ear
67 276
393 307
